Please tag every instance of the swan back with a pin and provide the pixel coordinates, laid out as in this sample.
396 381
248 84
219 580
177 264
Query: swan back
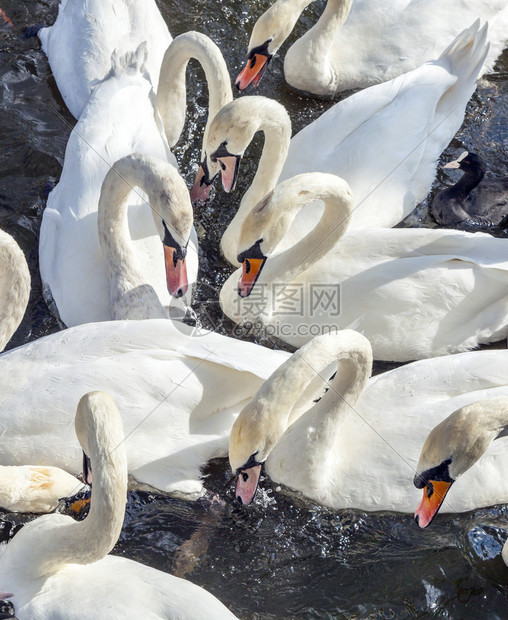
80 43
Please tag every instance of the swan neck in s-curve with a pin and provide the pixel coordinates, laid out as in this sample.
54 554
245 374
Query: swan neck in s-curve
275 124
133 171
62 540
284 267
14 287
171 92
269 414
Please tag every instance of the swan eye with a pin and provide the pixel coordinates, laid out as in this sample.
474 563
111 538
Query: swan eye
247 265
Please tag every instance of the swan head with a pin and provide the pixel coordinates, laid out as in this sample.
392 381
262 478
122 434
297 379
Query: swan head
229 134
268 34
253 436
98 426
450 449
172 213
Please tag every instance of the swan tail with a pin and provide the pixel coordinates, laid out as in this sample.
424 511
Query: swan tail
467 52
129 61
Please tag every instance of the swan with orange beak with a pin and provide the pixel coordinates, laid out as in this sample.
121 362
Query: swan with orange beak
452 447
268 34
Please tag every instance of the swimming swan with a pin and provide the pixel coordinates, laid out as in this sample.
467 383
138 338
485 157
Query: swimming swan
358 446
370 139
121 117
117 121
457 443
473 203
358 43
58 567
178 394
85 34
413 292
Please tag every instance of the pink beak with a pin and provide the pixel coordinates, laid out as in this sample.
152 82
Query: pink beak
247 484
176 274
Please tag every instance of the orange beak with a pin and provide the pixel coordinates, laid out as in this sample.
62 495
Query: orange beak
247 484
251 268
176 273
433 496
253 71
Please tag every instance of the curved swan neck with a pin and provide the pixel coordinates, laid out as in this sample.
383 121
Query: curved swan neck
71 542
171 91
337 198
272 119
115 240
14 287
268 414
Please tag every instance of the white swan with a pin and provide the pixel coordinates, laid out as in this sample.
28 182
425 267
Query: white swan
57 567
85 34
453 446
357 43
117 120
14 287
372 139
178 393
358 446
413 292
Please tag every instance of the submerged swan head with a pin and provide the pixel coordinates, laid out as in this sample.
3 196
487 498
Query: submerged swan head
268 34
452 447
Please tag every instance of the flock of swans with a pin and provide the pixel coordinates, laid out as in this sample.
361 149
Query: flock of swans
129 384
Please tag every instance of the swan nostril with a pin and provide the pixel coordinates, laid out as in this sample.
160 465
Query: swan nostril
239 500
417 519
179 292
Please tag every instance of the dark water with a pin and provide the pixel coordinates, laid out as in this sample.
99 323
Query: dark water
283 557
